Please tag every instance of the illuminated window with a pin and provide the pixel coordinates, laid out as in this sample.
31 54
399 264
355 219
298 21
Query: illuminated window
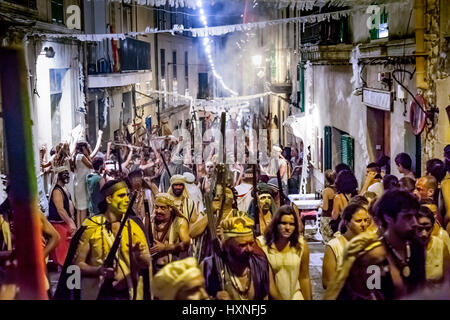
383 29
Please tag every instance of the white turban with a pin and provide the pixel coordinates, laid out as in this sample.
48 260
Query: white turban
173 277
190 178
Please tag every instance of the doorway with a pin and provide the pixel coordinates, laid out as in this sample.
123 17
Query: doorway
378 133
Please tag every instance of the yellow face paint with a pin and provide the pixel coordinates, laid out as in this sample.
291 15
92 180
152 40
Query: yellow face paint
119 201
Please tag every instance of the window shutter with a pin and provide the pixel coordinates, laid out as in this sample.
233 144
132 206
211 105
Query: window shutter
347 150
327 148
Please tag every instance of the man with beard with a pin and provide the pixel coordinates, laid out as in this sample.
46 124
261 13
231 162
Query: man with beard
180 280
95 240
266 206
397 257
245 275
170 232
176 167
203 246
181 198
61 213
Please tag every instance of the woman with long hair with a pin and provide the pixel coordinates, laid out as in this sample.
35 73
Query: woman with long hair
82 167
355 220
346 188
328 194
288 255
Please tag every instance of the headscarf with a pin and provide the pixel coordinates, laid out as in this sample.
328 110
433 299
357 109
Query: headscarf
178 179
164 199
117 186
56 172
237 227
189 177
173 277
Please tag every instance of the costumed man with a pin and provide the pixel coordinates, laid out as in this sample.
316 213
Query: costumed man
170 232
180 280
203 246
239 273
194 191
278 162
206 181
145 194
426 187
182 199
92 243
244 190
61 213
266 206
398 254
175 167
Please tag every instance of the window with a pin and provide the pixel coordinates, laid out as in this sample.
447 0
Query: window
382 31
174 65
56 79
338 148
163 63
57 11
186 68
202 86
301 87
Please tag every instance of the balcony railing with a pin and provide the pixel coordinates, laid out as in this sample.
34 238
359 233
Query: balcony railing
326 32
134 55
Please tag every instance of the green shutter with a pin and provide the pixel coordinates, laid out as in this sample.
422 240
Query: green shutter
327 148
302 87
347 150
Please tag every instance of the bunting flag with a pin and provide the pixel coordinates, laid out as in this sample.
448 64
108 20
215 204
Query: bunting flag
208 31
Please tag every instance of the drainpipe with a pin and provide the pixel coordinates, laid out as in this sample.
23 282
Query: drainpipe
419 16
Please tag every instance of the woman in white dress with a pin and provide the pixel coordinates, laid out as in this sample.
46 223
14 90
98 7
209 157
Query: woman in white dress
83 166
288 255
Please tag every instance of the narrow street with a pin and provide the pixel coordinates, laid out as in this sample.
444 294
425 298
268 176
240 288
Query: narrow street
316 250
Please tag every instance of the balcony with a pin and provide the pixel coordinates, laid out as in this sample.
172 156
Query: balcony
327 54
133 65
281 87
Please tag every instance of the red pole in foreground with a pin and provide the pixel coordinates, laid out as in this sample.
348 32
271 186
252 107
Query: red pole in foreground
30 276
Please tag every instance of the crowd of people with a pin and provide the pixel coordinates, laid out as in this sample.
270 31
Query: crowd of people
142 223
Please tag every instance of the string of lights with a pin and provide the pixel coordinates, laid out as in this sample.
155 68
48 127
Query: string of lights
207 46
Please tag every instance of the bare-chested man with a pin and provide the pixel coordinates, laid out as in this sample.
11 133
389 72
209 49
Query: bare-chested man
398 256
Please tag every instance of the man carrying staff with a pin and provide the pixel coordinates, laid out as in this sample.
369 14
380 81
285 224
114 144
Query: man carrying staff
182 199
245 275
97 236
170 232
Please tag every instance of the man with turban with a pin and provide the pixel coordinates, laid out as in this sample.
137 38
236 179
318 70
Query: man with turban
170 232
180 280
182 199
194 191
176 166
93 242
266 206
244 273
